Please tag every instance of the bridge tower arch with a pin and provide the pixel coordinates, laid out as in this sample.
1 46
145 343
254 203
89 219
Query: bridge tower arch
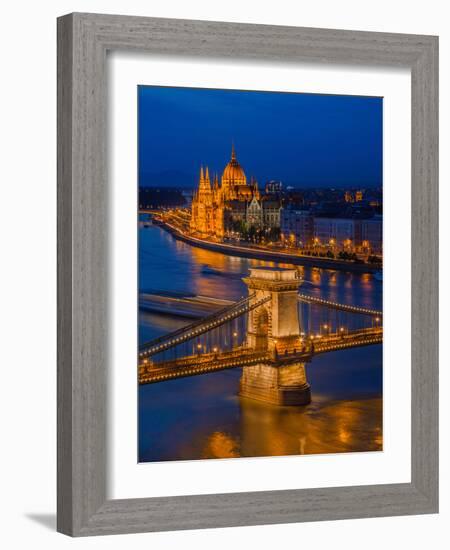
260 329
283 323
276 327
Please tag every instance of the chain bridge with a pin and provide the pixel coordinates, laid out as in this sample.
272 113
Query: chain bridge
272 333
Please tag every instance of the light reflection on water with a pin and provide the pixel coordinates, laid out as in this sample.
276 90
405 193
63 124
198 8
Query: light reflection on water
203 417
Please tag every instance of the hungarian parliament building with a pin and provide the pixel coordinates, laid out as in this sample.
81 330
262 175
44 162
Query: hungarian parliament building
233 205
221 208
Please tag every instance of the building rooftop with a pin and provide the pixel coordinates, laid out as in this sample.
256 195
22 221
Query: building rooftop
236 204
270 203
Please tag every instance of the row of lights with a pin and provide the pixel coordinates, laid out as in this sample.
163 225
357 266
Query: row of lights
215 349
348 344
312 337
212 325
196 332
201 370
328 302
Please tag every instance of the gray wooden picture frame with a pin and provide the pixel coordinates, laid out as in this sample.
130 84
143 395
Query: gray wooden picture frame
83 41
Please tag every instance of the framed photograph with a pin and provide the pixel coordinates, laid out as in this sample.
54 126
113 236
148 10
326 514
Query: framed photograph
247 274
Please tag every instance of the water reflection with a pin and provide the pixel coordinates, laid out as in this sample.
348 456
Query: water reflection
167 264
341 426
221 445
203 417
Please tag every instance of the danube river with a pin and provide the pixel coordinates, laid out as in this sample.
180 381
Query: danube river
203 416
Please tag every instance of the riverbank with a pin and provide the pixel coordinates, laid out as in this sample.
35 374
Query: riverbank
267 255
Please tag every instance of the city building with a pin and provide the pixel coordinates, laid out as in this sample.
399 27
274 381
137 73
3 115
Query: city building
235 214
356 196
311 219
255 213
217 207
271 210
220 209
207 211
297 226
337 233
372 235
273 187
348 197
360 235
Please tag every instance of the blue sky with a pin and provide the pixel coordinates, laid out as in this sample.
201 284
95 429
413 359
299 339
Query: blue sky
306 140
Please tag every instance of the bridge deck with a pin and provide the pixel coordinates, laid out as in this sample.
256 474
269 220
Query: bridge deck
151 372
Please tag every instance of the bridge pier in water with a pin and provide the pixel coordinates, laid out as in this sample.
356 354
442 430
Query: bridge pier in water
275 327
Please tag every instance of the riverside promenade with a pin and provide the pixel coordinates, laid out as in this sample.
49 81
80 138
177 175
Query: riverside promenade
266 255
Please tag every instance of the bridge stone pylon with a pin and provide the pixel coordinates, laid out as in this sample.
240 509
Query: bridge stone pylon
275 326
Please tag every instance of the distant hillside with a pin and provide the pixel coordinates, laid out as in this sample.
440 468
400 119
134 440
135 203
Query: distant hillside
151 198
167 178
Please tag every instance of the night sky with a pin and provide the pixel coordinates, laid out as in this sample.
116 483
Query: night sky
304 140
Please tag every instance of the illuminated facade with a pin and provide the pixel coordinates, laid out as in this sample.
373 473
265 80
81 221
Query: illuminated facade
216 206
301 228
357 196
350 234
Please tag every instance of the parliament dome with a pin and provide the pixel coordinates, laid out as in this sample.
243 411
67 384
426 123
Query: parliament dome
233 173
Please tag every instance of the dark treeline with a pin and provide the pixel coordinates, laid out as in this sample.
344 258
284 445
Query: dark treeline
160 197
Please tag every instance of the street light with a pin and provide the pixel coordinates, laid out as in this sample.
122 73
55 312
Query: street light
234 343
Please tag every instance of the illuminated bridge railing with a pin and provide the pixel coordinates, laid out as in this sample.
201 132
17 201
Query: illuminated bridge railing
200 327
194 365
357 338
340 307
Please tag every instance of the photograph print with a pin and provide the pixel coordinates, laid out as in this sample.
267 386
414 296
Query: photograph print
260 234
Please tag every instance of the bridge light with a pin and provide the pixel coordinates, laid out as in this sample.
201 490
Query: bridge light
342 329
